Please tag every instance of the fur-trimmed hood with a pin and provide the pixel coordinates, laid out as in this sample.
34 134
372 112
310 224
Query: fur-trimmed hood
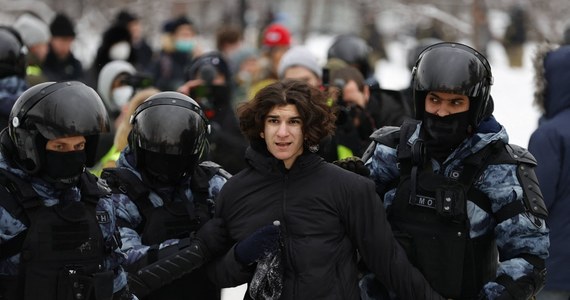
552 75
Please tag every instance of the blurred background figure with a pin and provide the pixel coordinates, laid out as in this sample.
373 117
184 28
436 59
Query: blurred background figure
550 144
60 63
36 36
245 69
355 122
115 45
516 35
179 47
209 85
301 64
117 83
354 51
143 53
275 41
228 40
12 71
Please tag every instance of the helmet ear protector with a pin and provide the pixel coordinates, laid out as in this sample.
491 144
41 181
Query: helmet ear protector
172 102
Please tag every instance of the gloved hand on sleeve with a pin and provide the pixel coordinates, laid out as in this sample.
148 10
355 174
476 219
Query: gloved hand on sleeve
353 164
254 247
214 235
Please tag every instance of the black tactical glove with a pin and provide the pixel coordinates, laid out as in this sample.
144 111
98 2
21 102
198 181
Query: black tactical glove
214 237
353 164
263 241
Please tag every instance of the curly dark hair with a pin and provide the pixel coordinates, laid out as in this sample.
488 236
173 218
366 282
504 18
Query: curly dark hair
317 116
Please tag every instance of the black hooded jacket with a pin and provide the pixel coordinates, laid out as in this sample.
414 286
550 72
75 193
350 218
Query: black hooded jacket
326 215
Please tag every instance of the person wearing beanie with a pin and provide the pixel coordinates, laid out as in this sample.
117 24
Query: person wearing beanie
36 36
299 63
60 63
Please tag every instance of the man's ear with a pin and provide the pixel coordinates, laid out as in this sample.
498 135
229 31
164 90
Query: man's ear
262 135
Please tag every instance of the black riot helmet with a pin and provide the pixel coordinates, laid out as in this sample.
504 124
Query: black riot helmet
12 53
353 50
454 68
171 127
55 110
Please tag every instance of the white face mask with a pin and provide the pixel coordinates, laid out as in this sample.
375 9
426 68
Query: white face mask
122 95
120 51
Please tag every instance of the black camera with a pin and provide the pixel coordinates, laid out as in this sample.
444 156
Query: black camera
138 80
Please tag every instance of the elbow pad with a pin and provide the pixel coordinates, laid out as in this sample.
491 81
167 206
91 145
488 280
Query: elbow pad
166 270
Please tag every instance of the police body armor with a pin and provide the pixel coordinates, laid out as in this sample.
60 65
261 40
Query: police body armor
172 220
429 212
61 251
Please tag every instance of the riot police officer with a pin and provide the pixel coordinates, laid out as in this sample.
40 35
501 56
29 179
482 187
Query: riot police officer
165 192
464 203
57 221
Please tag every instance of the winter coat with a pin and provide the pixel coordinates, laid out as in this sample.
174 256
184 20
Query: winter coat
70 68
327 214
550 144
10 227
169 70
514 236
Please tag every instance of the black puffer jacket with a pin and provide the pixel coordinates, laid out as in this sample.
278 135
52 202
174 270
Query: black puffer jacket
326 214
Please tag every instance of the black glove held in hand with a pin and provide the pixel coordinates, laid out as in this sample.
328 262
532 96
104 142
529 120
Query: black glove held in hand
353 164
214 236
264 240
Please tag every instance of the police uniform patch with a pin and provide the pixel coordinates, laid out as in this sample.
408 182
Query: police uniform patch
423 201
102 217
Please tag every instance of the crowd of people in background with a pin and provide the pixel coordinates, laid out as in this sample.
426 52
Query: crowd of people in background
167 128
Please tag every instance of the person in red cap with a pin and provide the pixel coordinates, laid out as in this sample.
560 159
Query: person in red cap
275 41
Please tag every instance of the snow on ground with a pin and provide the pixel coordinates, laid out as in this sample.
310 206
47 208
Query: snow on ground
512 92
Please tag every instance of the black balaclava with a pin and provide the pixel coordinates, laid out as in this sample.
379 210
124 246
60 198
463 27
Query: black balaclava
444 134
63 169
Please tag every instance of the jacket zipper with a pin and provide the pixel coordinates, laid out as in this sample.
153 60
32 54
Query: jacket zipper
286 236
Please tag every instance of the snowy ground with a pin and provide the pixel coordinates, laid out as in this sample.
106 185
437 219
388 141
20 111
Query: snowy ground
512 91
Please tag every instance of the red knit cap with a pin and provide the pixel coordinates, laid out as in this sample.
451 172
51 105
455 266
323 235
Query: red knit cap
276 35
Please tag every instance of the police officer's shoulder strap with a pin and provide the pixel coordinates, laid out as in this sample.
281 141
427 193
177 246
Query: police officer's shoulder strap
473 166
92 189
124 181
200 181
502 153
387 135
